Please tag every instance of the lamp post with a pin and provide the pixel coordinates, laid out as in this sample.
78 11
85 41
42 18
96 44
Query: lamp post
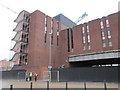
50 64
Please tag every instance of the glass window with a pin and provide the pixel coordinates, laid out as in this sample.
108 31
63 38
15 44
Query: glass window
103 34
110 44
104 45
83 38
72 43
108 32
68 40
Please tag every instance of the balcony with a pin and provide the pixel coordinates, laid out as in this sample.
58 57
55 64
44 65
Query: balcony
17 56
22 25
22 15
17 46
18 35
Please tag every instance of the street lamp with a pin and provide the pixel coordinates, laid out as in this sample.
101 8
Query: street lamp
50 64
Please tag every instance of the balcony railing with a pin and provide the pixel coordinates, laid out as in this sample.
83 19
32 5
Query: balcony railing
18 35
22 25
18 45
17 56
22 15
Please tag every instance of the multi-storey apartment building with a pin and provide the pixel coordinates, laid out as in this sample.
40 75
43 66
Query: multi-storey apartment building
37 42
43 42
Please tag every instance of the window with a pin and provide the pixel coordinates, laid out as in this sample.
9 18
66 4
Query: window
57 38
52 39
45 21
102 33
89 47
52 31
72 43
45 31
68 40
108 32
83 38
57 28
88 36
45 36
27 29
103 43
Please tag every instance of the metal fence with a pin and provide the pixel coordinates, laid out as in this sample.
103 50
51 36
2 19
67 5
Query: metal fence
14 74
110 74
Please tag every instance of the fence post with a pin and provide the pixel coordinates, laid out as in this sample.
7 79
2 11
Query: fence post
11 87
105 86
31 86
84 85
47 85
66 85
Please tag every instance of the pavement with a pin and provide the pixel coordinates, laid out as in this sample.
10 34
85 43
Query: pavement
43 84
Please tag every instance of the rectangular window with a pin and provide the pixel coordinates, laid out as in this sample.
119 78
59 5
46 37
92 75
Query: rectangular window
110 44
52 39
108 32
103 43
45 31
84 46
102 33
72 43
45 21
52 24
83 38
68 40
45 36
57 38
89 46
57 28
52 31
88 36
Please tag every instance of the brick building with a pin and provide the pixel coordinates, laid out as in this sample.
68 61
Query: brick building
4 65
93 43
43 42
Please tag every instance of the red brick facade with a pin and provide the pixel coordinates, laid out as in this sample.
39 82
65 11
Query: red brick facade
38 55
95 38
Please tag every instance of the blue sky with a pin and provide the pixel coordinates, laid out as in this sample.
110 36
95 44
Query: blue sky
70 8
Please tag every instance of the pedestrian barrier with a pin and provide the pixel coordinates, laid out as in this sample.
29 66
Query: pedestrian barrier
66 86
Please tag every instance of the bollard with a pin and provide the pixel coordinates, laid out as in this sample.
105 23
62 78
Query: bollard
47 85
84 85
11 87
31 85
66 85
105 86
